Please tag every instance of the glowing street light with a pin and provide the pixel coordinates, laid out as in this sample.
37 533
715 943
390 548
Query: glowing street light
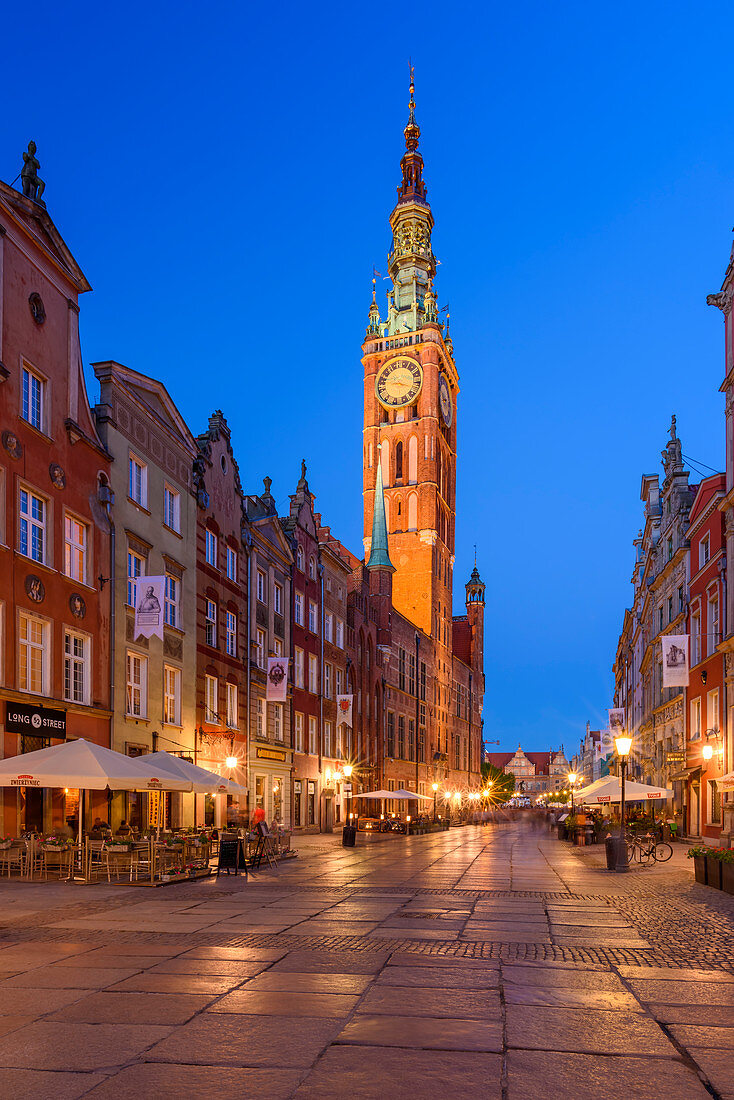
623 745
231 762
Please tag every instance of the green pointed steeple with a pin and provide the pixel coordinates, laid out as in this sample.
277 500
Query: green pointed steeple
379 553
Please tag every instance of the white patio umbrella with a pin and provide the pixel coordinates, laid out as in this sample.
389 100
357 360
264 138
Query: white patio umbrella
610 790
203 781
374 794
87 767
404 794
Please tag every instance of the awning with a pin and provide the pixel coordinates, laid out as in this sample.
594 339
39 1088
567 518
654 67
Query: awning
727 781
686 773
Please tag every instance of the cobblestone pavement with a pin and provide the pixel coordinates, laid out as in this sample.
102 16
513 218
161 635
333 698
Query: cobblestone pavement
486 961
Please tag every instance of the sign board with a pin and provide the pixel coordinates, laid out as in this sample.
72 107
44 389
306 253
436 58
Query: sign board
38 721
675 758
231 856
347 788
272 754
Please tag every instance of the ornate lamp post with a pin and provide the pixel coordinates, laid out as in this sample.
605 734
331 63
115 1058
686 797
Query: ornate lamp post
435 792
623 745
572 777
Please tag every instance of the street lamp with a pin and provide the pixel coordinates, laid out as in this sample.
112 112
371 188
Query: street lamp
707 752
572 777
435 792
623 745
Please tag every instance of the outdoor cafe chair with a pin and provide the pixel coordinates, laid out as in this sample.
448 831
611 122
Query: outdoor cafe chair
13 857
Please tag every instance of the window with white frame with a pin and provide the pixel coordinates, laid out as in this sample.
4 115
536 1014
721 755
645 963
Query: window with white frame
704 550
75 549
278 721
137 685
232 707
312 735
313 617
340 633
76 667
695 638
298 732
260 719
32 528
171 595
278 647
713 623
313 674
328 626
231 634
135 565
298 609
299 668
34 399
211 701
231 563
328 678
712 710
278 599
328 739
34 657
210 622
695 730
137 485
261 589
261 649
312 568
171 695
171 508
210 547
299 558
339 682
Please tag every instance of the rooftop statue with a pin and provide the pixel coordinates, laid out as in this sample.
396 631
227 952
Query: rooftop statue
33 185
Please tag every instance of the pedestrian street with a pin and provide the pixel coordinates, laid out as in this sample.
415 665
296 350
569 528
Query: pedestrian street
481 961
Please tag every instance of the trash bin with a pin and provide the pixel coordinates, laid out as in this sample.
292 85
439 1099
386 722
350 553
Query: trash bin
349 835
615 846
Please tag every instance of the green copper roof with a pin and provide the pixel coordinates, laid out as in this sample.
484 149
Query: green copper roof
379 553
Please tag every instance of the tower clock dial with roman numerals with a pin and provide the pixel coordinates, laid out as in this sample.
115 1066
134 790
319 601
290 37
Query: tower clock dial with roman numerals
399 382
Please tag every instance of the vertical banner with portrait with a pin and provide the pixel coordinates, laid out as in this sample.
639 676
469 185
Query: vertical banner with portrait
344 709
149 607
675 660
616 722
277 681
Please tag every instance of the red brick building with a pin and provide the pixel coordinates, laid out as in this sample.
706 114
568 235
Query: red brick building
54 513
706 690
221 621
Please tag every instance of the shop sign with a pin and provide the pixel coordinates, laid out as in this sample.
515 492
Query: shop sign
675 758
37 721
272 754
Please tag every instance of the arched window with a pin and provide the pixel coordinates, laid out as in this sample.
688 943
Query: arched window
312 568
385 460
413 458
299 558
413 512
398 461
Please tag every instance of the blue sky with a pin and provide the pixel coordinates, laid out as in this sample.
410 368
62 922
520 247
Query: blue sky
224 175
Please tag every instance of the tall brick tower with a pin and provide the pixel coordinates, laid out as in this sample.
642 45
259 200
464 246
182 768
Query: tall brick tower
410 402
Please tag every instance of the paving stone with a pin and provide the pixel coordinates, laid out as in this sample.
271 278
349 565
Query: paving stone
247 968
423 1033
568 978
30 1084
46 1045
552 995
717 1065
210 984
410 958
613 1078
339 962
682 993
133 1008
379 1072
236 954
219 1038
676 974
290 982
712 1037
66 977
704 1015
155 1079
439 977
585 1031
270 1003
36 1002
437 1003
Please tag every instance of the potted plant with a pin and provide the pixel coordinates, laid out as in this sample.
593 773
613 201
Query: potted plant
713 867
6 842
727 870
55 844
700 864
120 844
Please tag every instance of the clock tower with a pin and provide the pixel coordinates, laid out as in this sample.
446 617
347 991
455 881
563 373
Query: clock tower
410 402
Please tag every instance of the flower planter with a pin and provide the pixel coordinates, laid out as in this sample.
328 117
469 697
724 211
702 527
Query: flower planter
6 844
727 877
713 872
700 866
118 848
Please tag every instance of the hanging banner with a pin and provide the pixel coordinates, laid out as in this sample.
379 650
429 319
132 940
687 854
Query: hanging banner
607 742
344 709
149 607
616 722
675 660
277 683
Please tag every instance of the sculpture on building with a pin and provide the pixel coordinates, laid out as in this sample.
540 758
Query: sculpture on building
33 185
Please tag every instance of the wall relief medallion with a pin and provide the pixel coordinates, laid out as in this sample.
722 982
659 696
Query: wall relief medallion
12 444
35 589
57 475
37 308
77 606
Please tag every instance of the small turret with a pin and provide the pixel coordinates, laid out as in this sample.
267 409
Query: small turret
374 326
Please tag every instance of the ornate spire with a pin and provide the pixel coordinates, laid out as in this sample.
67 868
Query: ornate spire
379 553
373 326
412 189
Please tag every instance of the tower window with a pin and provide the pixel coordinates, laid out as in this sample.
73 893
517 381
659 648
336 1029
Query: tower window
398 461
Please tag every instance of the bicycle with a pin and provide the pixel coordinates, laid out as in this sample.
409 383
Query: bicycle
645 847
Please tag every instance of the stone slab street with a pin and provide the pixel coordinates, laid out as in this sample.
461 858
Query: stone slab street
488 961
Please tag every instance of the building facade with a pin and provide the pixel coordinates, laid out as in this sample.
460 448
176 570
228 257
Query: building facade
154 535
55 499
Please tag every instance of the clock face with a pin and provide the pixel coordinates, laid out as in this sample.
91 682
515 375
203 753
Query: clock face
444 398
399 382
